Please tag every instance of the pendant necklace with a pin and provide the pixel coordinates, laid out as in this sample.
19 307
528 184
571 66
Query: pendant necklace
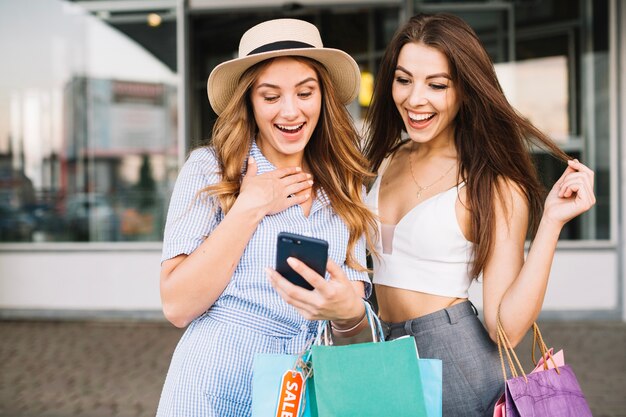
420 188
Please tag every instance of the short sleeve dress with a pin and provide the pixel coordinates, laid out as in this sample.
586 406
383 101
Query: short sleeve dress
211 369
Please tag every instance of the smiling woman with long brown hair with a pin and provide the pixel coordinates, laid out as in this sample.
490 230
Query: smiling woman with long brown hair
455 201
455 196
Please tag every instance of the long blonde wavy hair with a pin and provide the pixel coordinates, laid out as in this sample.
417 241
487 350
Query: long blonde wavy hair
333 154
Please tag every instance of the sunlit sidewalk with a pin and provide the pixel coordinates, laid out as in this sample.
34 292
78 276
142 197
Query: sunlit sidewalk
97 369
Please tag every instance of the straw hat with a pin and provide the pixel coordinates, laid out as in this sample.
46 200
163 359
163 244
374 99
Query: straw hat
282 37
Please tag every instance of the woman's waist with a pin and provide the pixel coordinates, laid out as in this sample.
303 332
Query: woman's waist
399 304
451 314
276 320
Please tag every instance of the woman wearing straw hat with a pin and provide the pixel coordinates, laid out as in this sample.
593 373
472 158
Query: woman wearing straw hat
284 157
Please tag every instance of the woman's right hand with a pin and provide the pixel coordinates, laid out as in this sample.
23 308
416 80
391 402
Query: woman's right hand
275 191
337 299
571 195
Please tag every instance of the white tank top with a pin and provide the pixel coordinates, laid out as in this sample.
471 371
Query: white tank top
426 251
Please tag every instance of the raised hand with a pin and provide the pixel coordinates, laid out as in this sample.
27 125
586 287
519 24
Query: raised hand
572 194
273 192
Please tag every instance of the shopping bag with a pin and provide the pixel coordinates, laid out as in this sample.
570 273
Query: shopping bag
552 391
267 376
369 379
431 376
558 359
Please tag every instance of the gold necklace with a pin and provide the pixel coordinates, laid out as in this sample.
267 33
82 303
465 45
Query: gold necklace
420 188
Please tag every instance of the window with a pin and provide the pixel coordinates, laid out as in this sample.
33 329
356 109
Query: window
88 121
361 31
552 59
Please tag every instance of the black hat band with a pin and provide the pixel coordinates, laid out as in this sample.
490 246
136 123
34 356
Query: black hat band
277 46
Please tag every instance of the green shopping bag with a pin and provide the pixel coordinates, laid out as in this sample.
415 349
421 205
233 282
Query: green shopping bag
377 379
367 379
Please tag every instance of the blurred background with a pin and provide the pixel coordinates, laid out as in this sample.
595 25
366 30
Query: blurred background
101 101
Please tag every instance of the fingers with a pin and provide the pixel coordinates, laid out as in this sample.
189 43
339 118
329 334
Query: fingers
336 299
578 166
567 171
292 184
276 190
284 172
293 179
579 188
576 178
298 186
301 299
251 167
574 165
297 199
295 172
338 276
576 183
305 272
335 271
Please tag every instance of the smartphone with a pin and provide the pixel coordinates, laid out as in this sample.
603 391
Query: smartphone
313 252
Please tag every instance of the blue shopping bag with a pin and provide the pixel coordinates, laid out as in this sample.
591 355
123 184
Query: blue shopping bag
431 375
267 374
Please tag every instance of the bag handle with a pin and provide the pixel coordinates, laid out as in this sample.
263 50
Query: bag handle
324 330
538 342
504 344
324 338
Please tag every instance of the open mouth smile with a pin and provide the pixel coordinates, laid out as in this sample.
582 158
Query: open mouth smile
290 129
420 118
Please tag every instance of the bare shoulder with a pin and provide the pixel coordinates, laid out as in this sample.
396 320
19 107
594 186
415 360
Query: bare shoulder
511 202
510 192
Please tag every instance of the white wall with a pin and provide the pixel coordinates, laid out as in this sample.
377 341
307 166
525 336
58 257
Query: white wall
127 282
120 281
584 281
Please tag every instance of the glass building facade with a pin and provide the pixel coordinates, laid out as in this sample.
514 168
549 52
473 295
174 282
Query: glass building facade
101 101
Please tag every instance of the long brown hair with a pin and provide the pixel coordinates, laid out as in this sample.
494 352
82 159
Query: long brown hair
492 140
332 153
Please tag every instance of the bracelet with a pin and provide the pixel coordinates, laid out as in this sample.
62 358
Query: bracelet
351 328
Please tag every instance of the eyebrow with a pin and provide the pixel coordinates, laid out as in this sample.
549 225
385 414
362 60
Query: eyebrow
438 75
306 80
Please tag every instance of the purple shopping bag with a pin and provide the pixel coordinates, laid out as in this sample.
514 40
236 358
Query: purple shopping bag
546 393
548 361
549 392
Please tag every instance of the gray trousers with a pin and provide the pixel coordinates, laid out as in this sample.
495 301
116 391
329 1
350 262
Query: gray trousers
472 374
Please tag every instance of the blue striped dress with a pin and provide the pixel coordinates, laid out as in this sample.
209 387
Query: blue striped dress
211 370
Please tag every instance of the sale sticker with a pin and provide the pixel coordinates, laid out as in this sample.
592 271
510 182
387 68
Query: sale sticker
291 390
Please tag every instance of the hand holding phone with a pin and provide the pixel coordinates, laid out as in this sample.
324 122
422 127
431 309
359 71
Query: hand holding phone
309 250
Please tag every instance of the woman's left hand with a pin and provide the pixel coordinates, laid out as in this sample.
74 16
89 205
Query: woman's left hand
572 194
336 299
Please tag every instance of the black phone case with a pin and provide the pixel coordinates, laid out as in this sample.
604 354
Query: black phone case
313 252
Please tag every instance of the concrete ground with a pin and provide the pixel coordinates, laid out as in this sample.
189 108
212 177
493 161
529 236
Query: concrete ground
105 368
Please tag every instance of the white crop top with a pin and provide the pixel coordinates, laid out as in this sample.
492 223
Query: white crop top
428 251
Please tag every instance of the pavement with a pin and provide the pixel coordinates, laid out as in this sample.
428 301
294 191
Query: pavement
99 368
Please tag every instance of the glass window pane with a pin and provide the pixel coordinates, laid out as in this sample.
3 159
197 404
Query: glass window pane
554 68
361 31
88 121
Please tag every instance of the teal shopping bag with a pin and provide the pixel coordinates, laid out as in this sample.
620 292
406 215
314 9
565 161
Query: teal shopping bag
367 379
